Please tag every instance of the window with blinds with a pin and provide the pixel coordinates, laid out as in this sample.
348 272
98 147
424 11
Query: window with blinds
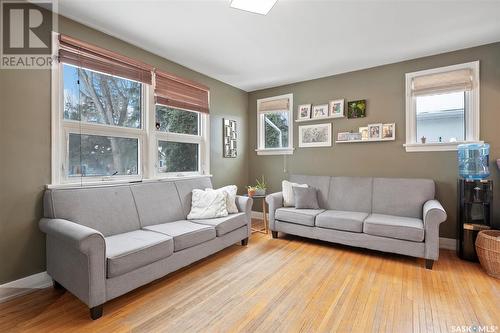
442 107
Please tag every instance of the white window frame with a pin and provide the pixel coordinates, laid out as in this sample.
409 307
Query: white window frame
147 136
261 150
472 111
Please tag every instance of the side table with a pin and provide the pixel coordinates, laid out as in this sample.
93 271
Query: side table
265 229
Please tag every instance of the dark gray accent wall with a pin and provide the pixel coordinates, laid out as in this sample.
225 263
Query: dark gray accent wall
25 105
384 89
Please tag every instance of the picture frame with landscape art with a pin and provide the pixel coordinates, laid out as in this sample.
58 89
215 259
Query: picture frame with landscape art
318 135
356 109
320 111
336 108
304 112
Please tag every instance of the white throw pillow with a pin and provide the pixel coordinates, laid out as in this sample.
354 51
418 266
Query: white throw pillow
231 197
208 204
287 189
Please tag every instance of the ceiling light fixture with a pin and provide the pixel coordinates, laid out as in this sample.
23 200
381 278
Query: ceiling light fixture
255 6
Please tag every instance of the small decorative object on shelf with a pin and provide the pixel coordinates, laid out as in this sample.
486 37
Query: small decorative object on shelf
320 111
356 109
364 132
336 108
260 186
343 136
423 139
354 136
304 112
229 137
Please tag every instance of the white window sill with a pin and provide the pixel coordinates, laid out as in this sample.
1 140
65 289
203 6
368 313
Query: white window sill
275 151
119 182
435 146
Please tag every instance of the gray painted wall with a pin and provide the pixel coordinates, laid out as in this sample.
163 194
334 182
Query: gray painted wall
25 147
383 87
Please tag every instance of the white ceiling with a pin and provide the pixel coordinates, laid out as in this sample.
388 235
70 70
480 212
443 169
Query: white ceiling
298 40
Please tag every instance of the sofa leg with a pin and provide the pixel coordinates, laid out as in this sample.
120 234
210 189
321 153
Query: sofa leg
96 312
274 234
244 242
58 286
429 263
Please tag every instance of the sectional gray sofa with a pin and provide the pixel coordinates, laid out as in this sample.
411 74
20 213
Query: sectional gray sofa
103 242
384 214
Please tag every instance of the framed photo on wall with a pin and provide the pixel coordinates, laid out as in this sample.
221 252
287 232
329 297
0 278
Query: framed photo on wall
336 108
304 112
318 135
229 138
375 131
320 111
389 131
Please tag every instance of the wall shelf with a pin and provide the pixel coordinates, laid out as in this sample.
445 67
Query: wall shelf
363 141
317 119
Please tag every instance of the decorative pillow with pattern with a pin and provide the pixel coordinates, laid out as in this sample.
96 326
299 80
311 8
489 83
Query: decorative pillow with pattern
231 197
208 204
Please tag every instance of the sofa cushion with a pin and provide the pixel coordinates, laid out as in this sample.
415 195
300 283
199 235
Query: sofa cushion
225 224
298 216
341 220
351 194
185 233
131 250
110 210
157 202
406 228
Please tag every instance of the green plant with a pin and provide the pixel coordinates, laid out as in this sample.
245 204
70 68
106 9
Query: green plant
261 183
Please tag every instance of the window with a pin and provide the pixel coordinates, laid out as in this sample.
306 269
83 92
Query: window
442 107
275 126
107 125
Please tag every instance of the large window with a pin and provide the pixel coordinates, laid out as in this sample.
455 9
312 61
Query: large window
110 123
274 132
442 107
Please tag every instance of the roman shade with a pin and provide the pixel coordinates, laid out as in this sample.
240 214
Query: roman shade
81 54
176 92
274 105
457 80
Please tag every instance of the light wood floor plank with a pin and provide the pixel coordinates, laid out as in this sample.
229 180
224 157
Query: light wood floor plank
289 284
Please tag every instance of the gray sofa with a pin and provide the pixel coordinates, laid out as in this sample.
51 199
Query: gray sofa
103 242
384 214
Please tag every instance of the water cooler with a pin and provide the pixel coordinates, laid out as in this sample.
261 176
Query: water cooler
475 197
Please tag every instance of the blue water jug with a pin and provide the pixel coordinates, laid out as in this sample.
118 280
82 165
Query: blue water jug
473 160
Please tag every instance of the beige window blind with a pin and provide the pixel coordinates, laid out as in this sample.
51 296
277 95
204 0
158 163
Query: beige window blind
176 92
81 54
457 80
274 105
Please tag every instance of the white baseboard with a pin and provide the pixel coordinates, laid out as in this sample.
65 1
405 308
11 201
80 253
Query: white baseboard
24 286
444 243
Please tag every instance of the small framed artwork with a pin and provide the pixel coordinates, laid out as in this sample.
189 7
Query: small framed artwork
364 133
343 136
389 131
375 131
336 108
319 135
229 138
304 112
320 111
356 109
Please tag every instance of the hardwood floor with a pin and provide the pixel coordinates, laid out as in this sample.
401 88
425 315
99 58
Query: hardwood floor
289 284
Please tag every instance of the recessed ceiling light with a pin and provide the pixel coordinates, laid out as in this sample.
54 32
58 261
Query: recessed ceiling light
255 6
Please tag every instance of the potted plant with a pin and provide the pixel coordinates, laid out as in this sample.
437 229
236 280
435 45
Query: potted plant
261 186
251 191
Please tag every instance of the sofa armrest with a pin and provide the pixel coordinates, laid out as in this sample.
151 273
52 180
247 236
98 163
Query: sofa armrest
76 258
433 215
275 201
244 205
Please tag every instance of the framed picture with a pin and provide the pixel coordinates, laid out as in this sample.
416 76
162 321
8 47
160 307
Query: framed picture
375 131
356 136
336 108
356 109
389 131
229 138
343 136
318 135
304 112
320 111
364 133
